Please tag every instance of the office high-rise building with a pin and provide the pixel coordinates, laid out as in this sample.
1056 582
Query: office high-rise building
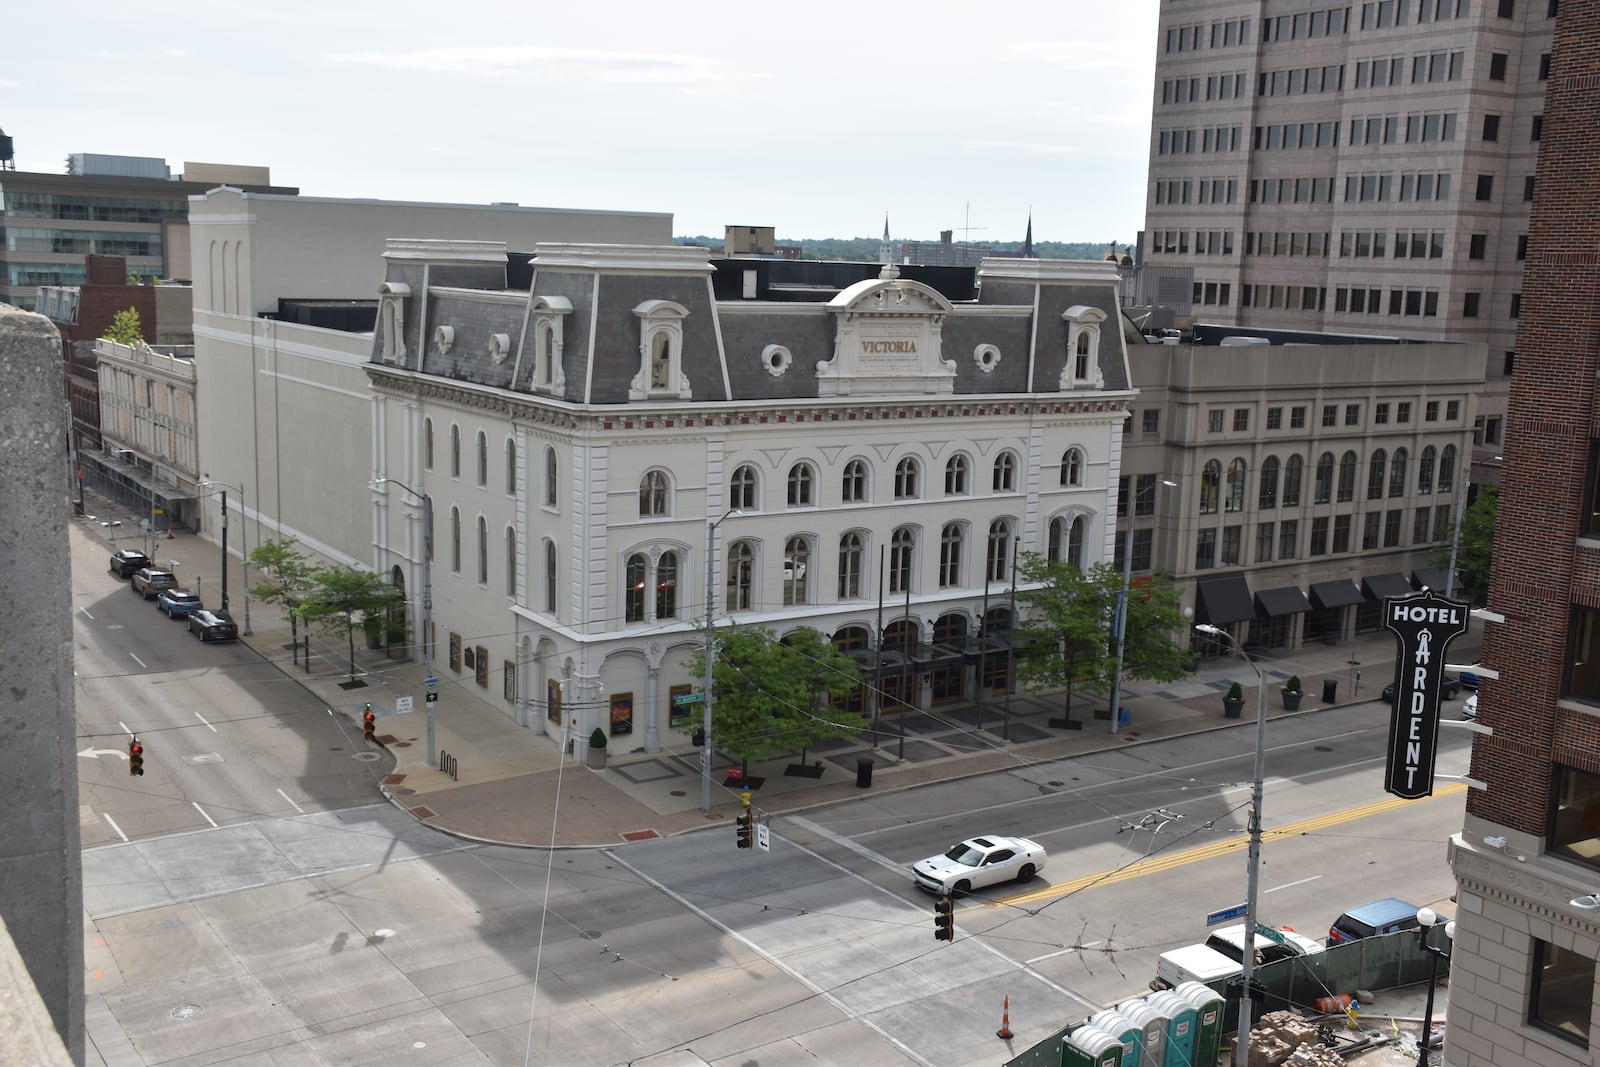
1359 168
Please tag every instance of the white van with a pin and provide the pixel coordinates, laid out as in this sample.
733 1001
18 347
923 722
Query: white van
1222 956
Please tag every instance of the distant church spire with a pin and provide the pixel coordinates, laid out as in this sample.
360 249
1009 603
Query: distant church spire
885 249
1027 242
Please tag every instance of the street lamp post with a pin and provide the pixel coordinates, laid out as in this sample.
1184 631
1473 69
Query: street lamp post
1241 1051
706 748
244 544
427 604
1427 919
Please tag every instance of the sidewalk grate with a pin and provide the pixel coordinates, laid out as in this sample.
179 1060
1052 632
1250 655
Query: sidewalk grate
422 812
639 835
393 779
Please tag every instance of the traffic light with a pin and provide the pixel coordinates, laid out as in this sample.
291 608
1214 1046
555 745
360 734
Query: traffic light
944 919
135 758
745 825
369 725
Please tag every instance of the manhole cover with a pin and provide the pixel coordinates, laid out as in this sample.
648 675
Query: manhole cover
206 757
678 793
366 757
590 935
186 1011
1058 785
1322 748
407 744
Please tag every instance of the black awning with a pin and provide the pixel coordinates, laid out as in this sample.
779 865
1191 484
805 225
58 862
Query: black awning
1378 586
1224 600
1287 600
1434 579
1336 594
930 657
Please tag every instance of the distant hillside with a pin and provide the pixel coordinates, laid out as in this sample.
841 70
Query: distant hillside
865 249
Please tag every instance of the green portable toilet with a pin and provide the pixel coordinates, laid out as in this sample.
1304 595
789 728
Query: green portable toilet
1208 1006
1125 1030
1153 1049
1180 1013
1090 1046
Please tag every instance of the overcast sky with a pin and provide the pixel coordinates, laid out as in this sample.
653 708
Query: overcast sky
815 118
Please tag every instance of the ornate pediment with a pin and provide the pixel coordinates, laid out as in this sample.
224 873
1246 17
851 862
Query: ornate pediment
887 340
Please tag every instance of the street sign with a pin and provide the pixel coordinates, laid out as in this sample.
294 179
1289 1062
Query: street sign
688 698
1225 914
1270 934
402 705
430 681
433 698
763 842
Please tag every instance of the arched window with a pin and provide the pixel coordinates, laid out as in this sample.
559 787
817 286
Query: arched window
855 482
1267 495
1292 470
1447 469
1075 539
1425 470
549 477
1057 541
900 546
742 488
1072 467
800 481
1210 477
1397 473
511 466
550 577
483 458
955 476
950 547
1005 473
661 348
850 557
511 561
1377 470
999 555
1234 501
455 451
1347 476
741 576
483 551
796 567
905 479
660 361
653 494
667 586
1324 486
637 577
427 444
455 540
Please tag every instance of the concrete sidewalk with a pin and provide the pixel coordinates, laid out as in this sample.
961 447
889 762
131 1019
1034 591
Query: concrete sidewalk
513 786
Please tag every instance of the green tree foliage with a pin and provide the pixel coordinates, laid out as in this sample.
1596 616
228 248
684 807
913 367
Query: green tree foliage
1069 637
772 696
125 328
284 577
340 597
1475 552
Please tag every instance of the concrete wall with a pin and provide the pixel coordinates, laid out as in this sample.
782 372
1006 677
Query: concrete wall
41 880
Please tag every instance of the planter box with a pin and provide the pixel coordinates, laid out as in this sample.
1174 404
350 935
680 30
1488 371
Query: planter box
597 758
1291 701
1232 709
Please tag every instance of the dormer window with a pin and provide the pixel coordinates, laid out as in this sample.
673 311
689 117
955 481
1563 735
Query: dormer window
660 352
392 321
549 320
1081 368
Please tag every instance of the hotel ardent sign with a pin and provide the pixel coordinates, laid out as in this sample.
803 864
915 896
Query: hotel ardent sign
1424 625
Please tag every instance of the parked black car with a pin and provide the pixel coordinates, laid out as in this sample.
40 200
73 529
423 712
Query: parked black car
126 562
209 626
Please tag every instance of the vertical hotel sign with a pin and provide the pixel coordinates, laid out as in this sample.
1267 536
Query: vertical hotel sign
1424 625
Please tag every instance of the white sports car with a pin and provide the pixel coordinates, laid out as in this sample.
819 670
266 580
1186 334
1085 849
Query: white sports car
979 861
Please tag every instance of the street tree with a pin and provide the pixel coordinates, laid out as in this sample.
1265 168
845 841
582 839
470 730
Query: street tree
125 328
774 696
285 577
1475 549
1069 637
342 597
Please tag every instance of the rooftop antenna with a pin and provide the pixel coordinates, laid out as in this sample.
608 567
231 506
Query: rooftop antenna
966 231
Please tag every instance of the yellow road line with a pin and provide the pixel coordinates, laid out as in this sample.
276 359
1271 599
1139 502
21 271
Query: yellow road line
1235 843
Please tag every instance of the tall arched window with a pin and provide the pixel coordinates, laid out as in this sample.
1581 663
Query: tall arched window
854 489
1005 473
905 479
1397 473
550 577
652 494
1210 477
801 478
511 466
900 546
999 554
850 558
1072 467
483 458
637 578
1056 544
1425 470
1292 470
455 540
796 568
1234 501
741 576
1267 494
955 476
483 551
455 451
950 556
427 444
1347 476
549 477
1075 539
1447 469
1324 485
1377 471
742 488
667 586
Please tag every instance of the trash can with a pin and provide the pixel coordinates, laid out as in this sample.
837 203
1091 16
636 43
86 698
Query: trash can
863 773
1330 690
1124 716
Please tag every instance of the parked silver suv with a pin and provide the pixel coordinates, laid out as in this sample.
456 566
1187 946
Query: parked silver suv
150 582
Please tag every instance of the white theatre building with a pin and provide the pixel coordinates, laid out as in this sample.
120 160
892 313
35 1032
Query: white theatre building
859 450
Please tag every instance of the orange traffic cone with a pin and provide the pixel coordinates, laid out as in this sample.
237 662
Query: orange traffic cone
169 533
1004 1033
